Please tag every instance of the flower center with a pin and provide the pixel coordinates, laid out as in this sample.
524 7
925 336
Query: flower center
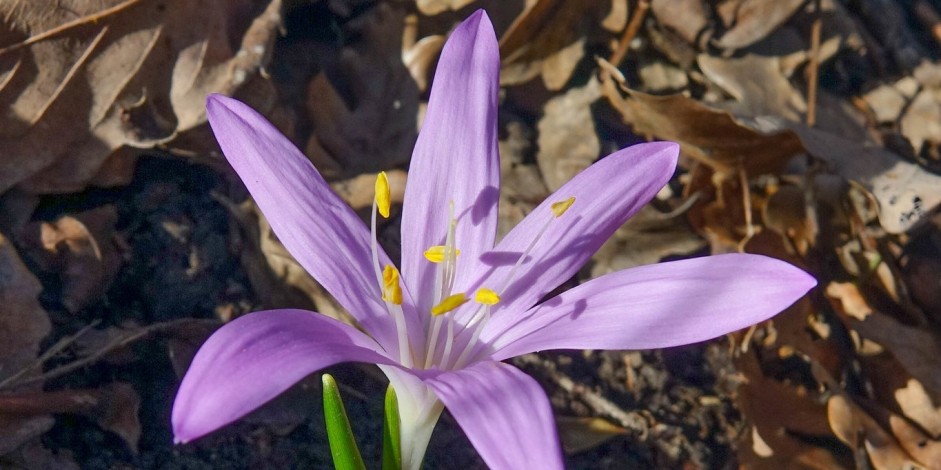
445 300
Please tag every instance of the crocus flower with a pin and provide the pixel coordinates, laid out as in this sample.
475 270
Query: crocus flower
440 326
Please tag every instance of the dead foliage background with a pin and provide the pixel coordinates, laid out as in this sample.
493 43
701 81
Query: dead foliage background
810 131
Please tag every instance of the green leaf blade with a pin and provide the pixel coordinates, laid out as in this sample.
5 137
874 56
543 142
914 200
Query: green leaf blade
391 435
343 447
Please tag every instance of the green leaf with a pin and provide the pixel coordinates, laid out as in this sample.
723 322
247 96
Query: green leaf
391 437
342 442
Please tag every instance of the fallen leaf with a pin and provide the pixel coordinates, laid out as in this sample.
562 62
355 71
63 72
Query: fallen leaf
434 7
751 20
82 83
419 54
688 18
23 325
568 142
851 424
550 30
916 404
758 84
114 407
80 250
582 434
376 128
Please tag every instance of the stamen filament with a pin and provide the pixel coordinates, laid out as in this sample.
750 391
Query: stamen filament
432 340
478 327
558 208
405 354
448 344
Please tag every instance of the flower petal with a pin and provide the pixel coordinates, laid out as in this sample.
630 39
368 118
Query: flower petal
606 195
504 413
655 306
254 358
313 223
455 159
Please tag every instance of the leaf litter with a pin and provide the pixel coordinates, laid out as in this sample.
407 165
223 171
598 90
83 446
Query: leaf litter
810 131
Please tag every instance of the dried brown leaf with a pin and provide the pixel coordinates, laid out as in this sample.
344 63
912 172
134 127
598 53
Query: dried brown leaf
688 18
568 142
84 79
851 424
80 250
748 21
757 83
23 322
711 136
582 434
113 407
434 7
376 128
553 30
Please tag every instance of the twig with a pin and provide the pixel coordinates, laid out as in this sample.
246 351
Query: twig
60 345
643 6
813 69
117 343
746 203
92 18
682 208
633 422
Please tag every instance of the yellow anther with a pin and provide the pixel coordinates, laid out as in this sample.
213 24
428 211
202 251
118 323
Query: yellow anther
559 208
487 297
437 253
391 291
449 303
383 194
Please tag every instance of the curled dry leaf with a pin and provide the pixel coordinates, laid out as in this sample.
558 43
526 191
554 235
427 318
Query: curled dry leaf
748 21
567 140
757 83
419 54
905 191
688 18
82 82
434 7
23 324
81 251
917 405
114 407
850 424
708 135
581 434
376 129
549 38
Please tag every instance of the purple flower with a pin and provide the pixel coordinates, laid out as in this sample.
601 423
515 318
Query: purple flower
461 305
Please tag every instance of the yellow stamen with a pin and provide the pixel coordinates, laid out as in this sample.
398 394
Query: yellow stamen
437 253
391 291
487 297
383 194
559 208
449 303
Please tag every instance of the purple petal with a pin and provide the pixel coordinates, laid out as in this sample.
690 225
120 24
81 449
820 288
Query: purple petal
254 358
313 223
606 195
504 413
455 159
655 306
